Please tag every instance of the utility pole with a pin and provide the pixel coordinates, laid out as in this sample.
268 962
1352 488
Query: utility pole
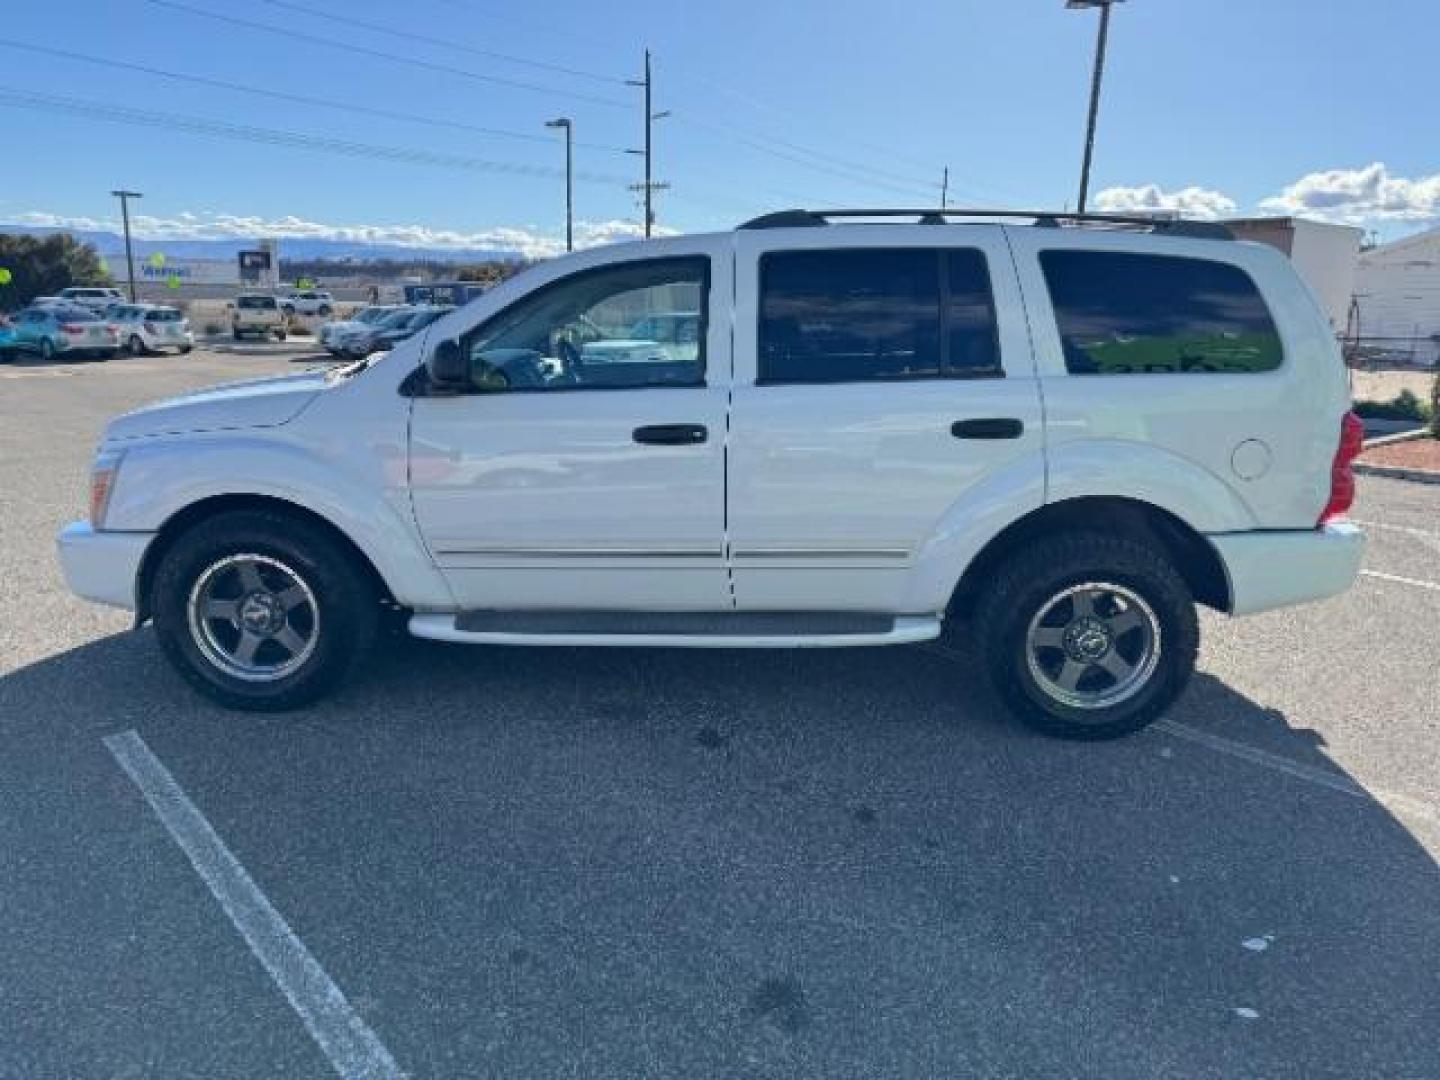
1101 40
649 187
566 123
125 197
945 188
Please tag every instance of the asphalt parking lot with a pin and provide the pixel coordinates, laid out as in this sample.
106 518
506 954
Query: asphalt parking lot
629 863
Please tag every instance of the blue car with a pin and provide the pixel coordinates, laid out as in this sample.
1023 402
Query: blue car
56 331
8 347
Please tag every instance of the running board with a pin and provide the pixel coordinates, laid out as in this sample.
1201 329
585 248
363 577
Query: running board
738 630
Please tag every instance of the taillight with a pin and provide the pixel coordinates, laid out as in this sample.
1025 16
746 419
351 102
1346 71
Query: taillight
72 328
1342 476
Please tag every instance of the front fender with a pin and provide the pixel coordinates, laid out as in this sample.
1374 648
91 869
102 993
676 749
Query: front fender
363 494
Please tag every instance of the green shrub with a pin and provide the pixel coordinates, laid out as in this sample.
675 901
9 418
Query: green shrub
1435 404
1403 406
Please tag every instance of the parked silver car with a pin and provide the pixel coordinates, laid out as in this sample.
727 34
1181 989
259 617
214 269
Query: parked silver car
64 331
331 333
147 327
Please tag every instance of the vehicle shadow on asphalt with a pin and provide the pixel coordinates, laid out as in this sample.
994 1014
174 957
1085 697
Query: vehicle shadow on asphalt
812 863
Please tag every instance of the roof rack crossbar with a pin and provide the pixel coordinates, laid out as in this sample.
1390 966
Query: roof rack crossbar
790 219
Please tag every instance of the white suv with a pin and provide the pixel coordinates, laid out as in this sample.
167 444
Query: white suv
96 299
1062 434
308 302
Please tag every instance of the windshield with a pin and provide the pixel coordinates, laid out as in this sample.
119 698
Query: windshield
74 314
372 315
396 319
424 318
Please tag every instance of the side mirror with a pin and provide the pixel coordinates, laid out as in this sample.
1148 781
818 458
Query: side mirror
446 367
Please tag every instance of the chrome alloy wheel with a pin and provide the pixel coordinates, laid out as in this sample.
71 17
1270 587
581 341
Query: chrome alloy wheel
1093 645
253 617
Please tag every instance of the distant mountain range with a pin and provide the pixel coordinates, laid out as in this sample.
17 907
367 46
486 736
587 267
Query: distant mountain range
111 245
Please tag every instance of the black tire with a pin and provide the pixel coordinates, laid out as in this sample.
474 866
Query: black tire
279 335
345 621
185 350
47 350
1025 586
323 311
136 346
237 335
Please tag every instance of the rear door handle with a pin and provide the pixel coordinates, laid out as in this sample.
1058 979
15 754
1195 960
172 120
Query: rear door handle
992 427
671 434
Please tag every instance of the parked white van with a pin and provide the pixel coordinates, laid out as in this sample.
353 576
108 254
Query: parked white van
1061 432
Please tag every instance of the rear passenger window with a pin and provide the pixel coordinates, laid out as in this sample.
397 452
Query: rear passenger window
875 314
1127 314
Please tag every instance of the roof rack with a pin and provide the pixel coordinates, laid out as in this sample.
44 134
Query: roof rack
1048 219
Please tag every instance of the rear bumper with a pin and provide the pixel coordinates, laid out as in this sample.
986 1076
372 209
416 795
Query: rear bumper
1277 569
102 566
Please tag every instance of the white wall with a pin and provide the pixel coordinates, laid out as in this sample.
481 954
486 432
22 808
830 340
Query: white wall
1397 288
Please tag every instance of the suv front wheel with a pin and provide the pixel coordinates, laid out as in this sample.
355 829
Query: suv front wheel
263 611
1089 636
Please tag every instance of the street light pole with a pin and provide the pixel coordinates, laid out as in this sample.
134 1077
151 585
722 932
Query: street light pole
1101 40
566 123
125 197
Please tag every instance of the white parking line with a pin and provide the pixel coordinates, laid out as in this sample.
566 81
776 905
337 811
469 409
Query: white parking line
353 1049
1395 803
1408 529
1433 586
1262 757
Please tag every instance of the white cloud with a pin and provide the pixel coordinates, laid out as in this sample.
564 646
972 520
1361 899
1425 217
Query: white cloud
1193 202
213 225
1355 196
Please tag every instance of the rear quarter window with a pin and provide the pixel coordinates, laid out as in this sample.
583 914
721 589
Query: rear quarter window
1120 313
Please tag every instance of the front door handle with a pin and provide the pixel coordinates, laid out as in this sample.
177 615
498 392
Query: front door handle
671 434
991 427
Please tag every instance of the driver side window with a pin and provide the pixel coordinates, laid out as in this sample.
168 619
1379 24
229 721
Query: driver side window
632 325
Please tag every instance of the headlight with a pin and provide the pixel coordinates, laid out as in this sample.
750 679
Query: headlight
102 482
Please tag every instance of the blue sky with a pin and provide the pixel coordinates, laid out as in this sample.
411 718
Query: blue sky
1224 106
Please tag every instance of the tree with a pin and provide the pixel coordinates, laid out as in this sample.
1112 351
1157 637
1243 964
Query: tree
43 265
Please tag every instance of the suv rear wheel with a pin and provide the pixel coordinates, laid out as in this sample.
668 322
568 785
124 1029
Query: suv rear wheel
263 611
1089 636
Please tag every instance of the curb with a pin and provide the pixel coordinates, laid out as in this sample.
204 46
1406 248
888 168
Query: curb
1394 472
1397 437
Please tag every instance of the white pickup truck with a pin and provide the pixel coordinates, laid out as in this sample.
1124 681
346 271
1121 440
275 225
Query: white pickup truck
1061 433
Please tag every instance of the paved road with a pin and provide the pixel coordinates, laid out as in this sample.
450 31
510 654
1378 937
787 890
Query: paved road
616 863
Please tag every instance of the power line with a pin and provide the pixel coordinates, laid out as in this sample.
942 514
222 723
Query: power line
789 115
395 31
27 99
767 144
300 99
912 189
361 50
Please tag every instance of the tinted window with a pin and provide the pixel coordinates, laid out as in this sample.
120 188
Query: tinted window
256 303
162 315
847 316
1124 314
972 344
578 332
844 316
